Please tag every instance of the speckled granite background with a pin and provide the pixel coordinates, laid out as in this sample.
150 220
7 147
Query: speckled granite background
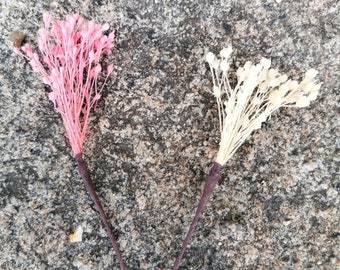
155 135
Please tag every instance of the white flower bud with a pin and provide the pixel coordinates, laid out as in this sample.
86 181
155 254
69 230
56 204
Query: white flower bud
226 52
310 74
258 121
308 87
240 74
257 124
256 101
283 78
247 66
262 88
275 97
265 62
314 92
293 85
272 73
302 101
224 66
284 88
313 95
292 97
215 64
262 76
274 82
210 58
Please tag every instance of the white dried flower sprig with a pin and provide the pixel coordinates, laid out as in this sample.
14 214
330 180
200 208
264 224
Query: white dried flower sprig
260 90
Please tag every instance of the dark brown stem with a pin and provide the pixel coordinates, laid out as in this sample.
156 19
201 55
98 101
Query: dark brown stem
209 186
89 186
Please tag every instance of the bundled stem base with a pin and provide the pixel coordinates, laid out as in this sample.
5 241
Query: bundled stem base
210 183
89 186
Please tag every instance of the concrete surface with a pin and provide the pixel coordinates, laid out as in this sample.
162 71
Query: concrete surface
155 134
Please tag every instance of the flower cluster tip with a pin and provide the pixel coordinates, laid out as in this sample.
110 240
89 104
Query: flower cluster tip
69 62
260 90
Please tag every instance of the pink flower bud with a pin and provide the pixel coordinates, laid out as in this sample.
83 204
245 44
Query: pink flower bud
105 27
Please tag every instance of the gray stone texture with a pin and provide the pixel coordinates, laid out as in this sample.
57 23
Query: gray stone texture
155 134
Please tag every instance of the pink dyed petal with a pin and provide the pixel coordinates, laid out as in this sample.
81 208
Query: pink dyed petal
97 70
105 27
97 97
103 39
17 50
27 48
47 18
111 36
92 56
73 19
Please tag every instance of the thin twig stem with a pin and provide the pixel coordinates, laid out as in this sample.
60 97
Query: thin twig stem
209 186
90 188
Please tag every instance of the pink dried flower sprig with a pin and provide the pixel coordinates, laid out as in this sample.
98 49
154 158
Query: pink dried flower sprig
71 52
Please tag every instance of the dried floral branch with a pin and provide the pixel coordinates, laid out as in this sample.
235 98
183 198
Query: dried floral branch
71 51
260 90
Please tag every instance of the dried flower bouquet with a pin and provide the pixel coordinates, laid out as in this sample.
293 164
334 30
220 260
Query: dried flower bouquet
260 90
71 52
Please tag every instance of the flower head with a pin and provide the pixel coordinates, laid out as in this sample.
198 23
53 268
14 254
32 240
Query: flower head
260 90
69 62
